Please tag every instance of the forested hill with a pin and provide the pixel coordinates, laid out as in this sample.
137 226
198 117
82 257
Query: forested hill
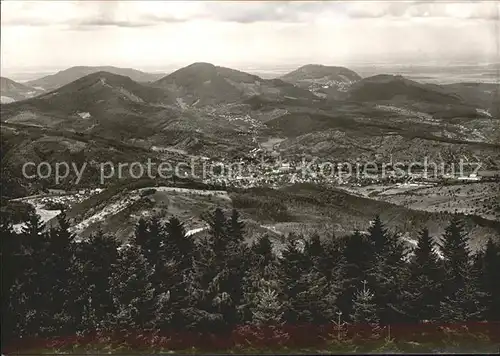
215 291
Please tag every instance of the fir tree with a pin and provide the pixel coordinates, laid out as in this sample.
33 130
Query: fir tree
263 250
265 305
204 293
462 297
33 232
98 258
310 297
378 236
314 249
269 308
235 227
156 237
218 273
388 274
364 307
236 261
32 288
489 280
358 255
423 291
177 263
456 255
133 292
62 279
141 234
149 236
218 232
12 270
256 278
178 245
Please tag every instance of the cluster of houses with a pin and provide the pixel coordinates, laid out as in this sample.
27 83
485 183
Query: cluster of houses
271 171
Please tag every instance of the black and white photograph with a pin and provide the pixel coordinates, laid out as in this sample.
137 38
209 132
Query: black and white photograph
250 177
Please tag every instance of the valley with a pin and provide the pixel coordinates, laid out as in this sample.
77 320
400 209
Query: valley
266 131
250 177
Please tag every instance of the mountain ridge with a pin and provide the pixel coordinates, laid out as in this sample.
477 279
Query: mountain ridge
68 75
14 91
320 71
204 83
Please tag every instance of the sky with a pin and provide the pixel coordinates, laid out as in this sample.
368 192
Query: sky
160 35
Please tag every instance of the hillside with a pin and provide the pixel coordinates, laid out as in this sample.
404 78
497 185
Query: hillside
318 72
104 86
301 208
13 91
207 110
118 108
100 102
69 75
324 81
386 87
202 84
485 96
350 131
23 143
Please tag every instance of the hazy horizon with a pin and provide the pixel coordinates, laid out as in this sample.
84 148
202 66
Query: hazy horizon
161 36
430 72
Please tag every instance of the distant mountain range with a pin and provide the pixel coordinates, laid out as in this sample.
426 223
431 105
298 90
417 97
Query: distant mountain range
100 114
202 84
391 87
57 80
208 109
318 72
13 91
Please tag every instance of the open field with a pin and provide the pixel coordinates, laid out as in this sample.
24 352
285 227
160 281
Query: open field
481 199
300 209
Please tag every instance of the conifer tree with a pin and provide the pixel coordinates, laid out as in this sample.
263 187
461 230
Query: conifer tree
268 309
358 255
149 236
490 280
456 254
263 306
388 274
176 262
314 249
237 260
156 237
218 232
98 258
326 257
32 289
235 227
217 276
204 294
262 249
378 235
423 291
12 270
364 307
462 297
63 287
310 297
141 233
133 292
257 277
32 231
178 245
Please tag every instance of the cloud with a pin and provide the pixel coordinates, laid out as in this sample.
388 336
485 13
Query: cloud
256 11
486 10
90 14
95 14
